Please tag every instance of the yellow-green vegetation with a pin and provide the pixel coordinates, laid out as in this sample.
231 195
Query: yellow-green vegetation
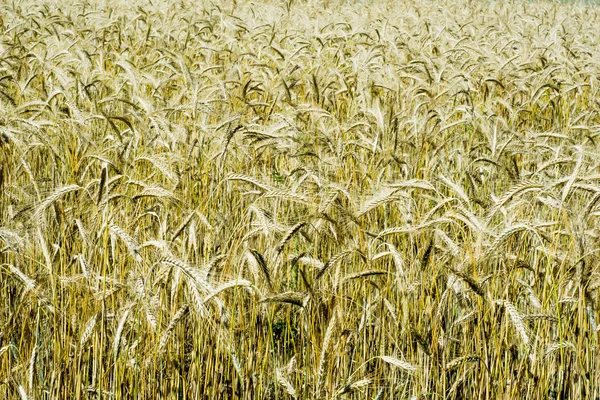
320 199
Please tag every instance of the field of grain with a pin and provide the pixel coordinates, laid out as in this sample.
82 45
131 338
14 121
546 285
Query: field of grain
299 199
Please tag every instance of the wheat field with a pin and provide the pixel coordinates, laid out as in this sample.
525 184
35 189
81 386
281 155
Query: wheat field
312 199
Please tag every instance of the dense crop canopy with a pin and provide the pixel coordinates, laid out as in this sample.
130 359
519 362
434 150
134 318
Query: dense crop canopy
320 199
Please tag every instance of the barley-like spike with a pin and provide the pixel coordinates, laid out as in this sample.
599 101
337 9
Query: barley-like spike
179 315
523 187
12 239
282 194
413 229
454 249
198 278
104 294
384 196
423 344
473 284
211 265
427 254
197 300
442 304
573 178
508 232
398 260
57 194
22 392
332 261
289 235
473 221
396 362
362 274
554 162
161 165
328 201
540 317
554 347
253 266
289 388
182 226
151 316
88 330
325 348
461 360
156 191
131 244
306 260
32 364
591 205
305 281
456 188
263 219
229 285
263 267
516 319
413 184
119 333
533 299
249 179
379 394
296 298
30 284
102 186
465 318
349 388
